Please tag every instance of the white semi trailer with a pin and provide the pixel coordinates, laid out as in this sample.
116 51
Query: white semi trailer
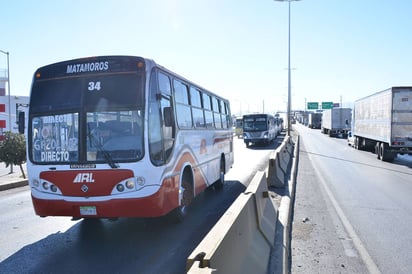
382 122
314 120
336 121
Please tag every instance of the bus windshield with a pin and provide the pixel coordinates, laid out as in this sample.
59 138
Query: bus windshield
114 135
255 123
87 118
55 138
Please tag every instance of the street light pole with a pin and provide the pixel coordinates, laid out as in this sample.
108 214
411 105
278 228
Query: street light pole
8 93
289 69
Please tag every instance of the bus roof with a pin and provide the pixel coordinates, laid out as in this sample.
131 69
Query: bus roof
100 64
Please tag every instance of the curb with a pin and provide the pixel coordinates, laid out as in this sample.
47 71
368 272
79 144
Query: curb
14 185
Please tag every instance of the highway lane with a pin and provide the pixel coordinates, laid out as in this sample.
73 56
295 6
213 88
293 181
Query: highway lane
373 197
57 245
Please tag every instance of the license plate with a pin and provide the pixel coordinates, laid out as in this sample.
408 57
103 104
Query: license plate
88 210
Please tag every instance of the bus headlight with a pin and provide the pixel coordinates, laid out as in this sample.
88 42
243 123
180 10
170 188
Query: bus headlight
140 181
53 188
130 184
36 183
45 186
120 187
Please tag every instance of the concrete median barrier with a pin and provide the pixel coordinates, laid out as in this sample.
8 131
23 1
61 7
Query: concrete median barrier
279 163
266 208
290 146
242 240
276 175
284 158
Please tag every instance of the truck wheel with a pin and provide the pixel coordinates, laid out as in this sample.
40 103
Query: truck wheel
386 155
378 150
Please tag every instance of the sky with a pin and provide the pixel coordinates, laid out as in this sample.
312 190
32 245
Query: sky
340 50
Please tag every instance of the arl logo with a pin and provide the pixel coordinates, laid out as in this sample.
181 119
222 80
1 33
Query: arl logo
84 178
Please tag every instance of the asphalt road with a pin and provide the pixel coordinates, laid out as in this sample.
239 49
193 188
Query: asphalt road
352 212
30 244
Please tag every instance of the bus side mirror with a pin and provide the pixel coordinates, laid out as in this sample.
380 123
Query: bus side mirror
168 116
21 122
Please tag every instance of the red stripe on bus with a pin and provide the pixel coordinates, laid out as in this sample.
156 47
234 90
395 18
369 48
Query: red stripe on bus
98 182
158 204
199 180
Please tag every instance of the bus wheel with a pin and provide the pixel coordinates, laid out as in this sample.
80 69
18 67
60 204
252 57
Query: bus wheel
222 170
186 198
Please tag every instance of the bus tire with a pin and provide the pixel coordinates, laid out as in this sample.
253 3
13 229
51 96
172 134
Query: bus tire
186 196
222 170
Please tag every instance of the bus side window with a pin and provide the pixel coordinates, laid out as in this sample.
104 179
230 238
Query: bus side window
161 132
197 111
168 131
208 111
164 84
168 116
223 112
216 112
155 120
183 110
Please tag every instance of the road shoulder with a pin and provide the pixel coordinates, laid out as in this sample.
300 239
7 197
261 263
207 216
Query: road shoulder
319 242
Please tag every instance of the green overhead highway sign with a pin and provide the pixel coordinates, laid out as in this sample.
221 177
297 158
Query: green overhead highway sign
313 105
327 105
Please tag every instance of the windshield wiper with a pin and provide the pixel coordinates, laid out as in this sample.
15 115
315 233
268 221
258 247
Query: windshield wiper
106 154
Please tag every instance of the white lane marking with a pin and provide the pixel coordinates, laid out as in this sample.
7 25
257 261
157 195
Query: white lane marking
367 259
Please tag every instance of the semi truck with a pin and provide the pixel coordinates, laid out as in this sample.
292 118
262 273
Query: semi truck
382 123
336 121
315 120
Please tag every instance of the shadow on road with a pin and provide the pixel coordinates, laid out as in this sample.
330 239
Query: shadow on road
128 245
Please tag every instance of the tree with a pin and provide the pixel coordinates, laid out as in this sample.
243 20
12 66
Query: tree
13 150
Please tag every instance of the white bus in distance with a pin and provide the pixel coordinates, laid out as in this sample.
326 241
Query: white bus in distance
259 129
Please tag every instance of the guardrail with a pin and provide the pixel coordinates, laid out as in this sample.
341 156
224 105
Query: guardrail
244 237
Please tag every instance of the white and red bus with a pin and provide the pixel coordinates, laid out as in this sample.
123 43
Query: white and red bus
120 136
